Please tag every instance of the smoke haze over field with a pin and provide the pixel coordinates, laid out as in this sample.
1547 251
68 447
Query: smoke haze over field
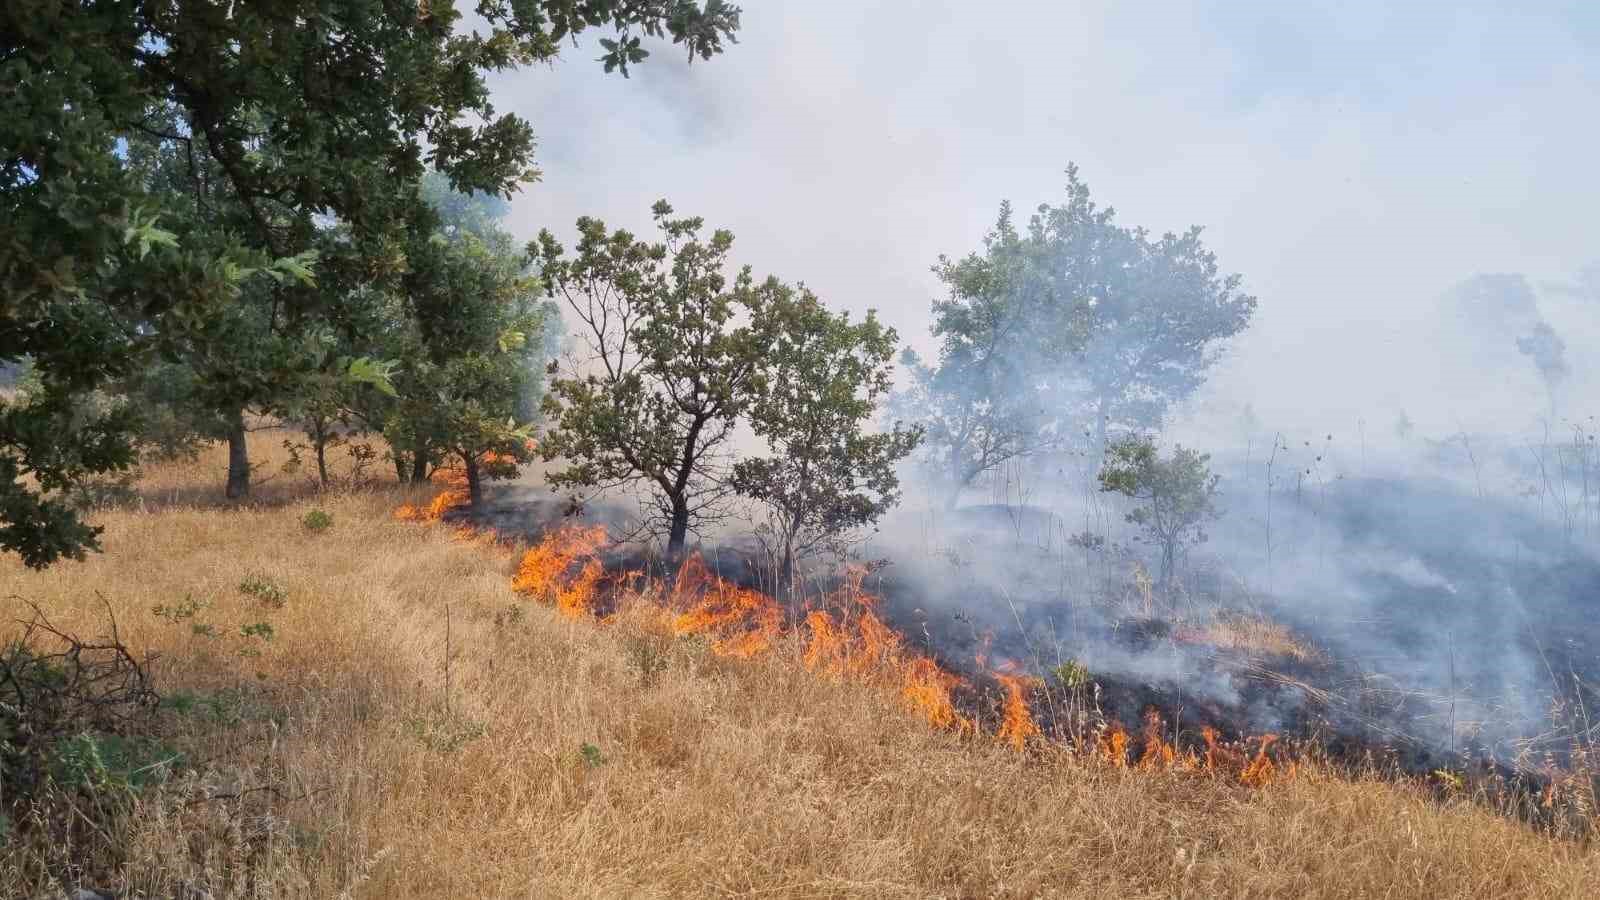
1408 190
1357 162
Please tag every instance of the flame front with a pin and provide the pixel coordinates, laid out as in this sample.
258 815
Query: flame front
745 622
1158 754
926 688
1114 745
454 494
845 637
1261 771
542 574
1016 723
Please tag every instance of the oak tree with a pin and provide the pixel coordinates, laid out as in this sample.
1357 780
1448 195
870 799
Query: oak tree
669 348
984 401
1072 325
1177 494
285 114
826 473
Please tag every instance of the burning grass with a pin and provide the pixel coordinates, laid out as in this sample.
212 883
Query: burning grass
557 759
545 571
844 638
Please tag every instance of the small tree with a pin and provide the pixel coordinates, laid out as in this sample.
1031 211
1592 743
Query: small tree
1005 324
472 309
1178 494
821 383
667 364
474 426
975 419
1069 324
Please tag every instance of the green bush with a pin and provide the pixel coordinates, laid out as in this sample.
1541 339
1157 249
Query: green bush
443 731
1072 674
649 657
317 521
110 764
75 713
184 609
1177 495
269 594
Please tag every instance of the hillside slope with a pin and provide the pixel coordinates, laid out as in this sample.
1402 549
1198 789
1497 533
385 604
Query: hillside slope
558 757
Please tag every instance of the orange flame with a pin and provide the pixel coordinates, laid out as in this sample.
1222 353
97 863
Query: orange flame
1157 752
1261 771
766 627
1017 724
873 650
1114 745
846 636
826 647
454 495
746 622
1209 735
579 597
543 570
879 647
981 658
926 689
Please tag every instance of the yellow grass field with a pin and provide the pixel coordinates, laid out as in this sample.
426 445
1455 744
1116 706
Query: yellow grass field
558 757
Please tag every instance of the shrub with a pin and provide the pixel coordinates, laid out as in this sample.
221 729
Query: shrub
317 521
269 594
110 764
1177 494
443 731
185 609
510 616
76 713
1072 674
649 657
259 630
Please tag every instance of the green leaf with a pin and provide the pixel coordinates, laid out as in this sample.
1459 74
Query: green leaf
377 373
148 235
512 340
297 267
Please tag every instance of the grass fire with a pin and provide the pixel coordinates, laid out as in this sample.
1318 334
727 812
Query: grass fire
401 496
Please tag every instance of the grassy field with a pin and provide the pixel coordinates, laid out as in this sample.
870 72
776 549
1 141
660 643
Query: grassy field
412 728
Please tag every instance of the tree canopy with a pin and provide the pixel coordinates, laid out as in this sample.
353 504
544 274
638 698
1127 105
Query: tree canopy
825 474
1074 325
1177 494
292 134
671 346
473 348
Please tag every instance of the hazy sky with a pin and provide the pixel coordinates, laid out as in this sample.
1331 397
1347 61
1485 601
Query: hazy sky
1353 160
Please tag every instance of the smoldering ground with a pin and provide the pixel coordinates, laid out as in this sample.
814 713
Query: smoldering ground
1418 612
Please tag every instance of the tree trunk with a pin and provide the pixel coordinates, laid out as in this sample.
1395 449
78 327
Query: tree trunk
786 570
419 463
678 536
1169 564
956 481
401 467
238 460
322 455
474 483
952 497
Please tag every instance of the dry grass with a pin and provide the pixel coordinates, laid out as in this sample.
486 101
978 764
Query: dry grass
706 777
1250 634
